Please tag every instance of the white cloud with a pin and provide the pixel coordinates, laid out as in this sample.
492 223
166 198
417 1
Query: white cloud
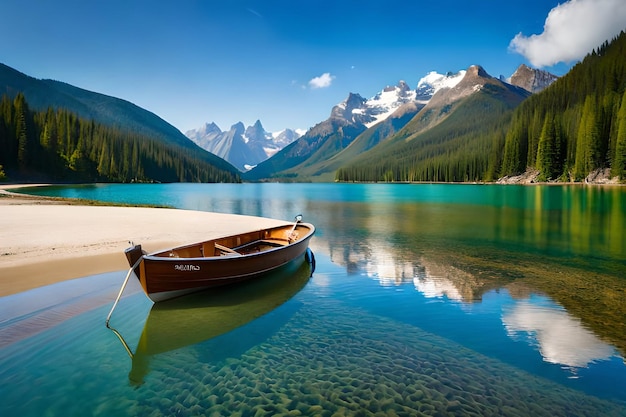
571 31
323 81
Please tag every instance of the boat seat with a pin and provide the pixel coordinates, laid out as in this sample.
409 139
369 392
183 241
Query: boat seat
269 242
227 249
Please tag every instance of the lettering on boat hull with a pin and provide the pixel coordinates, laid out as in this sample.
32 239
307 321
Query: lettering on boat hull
181 267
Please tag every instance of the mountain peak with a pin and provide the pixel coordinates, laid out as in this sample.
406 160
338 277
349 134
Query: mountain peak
401 87
530 79
211 127
238 128
354 100
205 133
345 109
474 80
477 71
256 130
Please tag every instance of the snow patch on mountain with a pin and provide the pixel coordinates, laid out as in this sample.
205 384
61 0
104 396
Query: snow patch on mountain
383 104
433 82
356 109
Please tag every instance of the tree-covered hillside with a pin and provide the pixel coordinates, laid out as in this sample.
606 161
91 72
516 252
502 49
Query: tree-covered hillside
89 105
57 145
464 147
572 128
578 124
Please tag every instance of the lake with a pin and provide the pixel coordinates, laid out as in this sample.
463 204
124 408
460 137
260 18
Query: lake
426 299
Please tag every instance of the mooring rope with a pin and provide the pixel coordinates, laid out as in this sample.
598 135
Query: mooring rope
119 295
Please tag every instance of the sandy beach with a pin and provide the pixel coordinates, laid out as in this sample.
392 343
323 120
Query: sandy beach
47 240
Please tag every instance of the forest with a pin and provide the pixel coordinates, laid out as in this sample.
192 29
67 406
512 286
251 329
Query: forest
57 145
572 128
577 125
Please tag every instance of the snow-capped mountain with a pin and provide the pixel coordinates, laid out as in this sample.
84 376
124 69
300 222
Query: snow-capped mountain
357 125
281 139
531 79
444 102
356 109
360 123
433 82
383 114
244 147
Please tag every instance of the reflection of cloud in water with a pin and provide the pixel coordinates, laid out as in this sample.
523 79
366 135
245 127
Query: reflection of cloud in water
383 266
437 287
561 339
430 281
435 280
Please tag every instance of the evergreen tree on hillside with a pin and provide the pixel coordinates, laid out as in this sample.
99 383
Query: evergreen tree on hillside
618 168
549 162
467 146
587 142
515 147
23 128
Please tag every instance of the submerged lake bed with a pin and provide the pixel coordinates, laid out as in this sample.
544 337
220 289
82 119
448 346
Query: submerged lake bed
427 299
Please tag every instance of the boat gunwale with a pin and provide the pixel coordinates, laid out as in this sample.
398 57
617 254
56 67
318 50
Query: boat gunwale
155 256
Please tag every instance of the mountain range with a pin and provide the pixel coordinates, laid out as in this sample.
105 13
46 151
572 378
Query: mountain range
243 147
388 110
357 125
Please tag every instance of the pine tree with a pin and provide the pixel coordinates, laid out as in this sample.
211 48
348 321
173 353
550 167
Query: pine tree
24 148
515 148
587 140
546 150
618 167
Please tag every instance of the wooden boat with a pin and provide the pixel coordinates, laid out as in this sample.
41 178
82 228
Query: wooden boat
198 317
181 270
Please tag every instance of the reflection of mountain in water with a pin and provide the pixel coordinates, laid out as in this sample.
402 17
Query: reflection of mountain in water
561 339
395 255
433 278
461 242
438 280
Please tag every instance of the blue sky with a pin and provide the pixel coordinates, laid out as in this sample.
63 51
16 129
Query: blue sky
286 62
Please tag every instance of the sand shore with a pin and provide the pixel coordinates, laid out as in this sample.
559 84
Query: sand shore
47 240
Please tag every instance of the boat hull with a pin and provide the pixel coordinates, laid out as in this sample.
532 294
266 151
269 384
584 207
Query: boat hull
164 277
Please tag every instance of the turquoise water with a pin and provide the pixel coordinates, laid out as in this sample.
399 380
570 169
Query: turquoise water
427 299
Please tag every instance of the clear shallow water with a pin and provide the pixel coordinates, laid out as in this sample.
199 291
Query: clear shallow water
433 299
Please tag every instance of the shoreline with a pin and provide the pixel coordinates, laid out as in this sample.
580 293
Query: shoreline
45 240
